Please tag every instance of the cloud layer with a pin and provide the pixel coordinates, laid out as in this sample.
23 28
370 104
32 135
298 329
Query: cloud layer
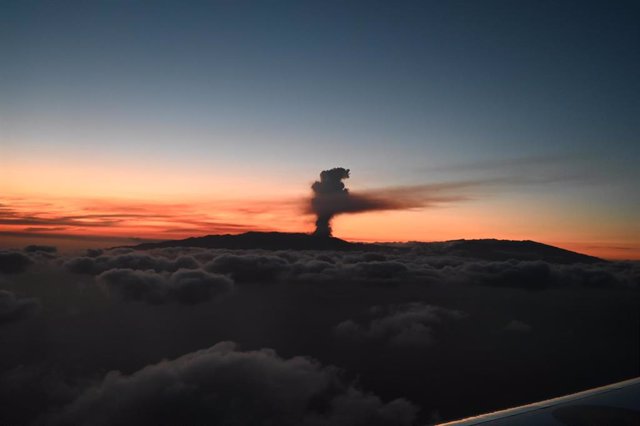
406 325
183 286
12 262
224 386
13 308
400 324
402 264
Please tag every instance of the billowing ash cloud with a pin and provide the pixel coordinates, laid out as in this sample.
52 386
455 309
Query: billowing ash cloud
331 197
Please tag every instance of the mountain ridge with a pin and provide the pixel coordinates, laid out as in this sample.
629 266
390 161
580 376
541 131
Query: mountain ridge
483 249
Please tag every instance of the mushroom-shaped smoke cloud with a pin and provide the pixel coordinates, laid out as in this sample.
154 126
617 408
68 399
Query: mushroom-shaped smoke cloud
331 197
329 194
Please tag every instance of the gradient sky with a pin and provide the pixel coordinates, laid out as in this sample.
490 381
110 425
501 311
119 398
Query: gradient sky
167 119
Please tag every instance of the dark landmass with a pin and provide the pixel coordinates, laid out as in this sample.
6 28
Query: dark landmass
499 250
487 249
262 240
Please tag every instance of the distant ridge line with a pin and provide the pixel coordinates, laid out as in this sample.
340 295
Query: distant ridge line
482 249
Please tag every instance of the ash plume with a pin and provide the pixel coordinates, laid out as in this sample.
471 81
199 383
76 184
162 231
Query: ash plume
329 194
331 197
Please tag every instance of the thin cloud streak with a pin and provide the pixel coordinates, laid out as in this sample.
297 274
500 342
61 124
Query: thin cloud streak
508 164
105 219
78 237
533 170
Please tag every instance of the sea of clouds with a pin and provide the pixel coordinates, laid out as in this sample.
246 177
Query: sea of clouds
252 337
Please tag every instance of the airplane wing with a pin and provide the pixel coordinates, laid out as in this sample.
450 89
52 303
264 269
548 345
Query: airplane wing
615 404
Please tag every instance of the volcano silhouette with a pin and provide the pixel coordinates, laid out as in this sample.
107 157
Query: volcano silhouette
486 249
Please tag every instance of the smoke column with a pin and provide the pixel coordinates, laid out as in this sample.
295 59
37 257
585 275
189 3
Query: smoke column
331 197
328 194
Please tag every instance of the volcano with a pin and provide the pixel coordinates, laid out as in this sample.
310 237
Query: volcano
483 249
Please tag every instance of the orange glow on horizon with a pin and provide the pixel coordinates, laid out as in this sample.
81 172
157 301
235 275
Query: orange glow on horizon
69 180
50 201
105 221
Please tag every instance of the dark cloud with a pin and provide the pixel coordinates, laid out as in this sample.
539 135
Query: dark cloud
14 217
435 329
41 253
130 284
531 275
614 274
38 248
518 327
94 252
12 262
27 391
45 228
14 308
128 259
249 267
396 264
539 275
410 324
210 227
331 197
194 286
183 286
379 270
224 386
120 250
306 267
375 272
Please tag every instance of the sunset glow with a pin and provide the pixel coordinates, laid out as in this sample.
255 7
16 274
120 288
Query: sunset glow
319 212
74 204
72 222
119 140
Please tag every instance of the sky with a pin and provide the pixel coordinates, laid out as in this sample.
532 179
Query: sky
129 120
